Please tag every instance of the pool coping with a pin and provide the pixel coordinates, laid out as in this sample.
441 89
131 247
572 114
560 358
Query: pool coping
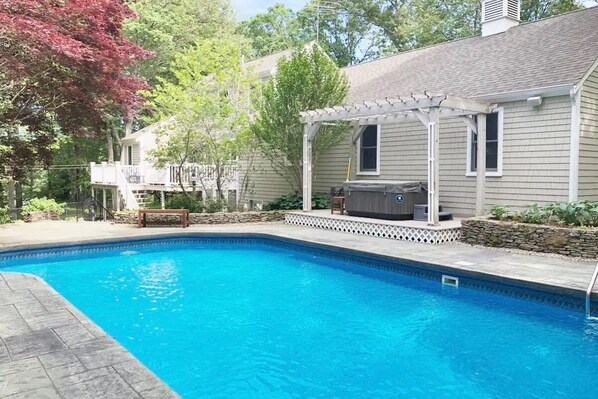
127 370
576 294
50 349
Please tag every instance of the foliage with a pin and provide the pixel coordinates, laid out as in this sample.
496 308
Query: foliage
410 24
214 205
577 213
308 80
66 58
275 30
295 201
43 205
170 27
346 37
499 211
535 215
5 216
208 107
533 10
184 201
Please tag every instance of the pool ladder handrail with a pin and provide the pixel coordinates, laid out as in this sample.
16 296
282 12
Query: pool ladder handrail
589 292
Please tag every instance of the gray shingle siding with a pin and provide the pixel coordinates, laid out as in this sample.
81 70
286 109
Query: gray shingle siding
588 145
535 158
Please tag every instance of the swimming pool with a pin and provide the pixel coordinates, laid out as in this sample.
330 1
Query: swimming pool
257 318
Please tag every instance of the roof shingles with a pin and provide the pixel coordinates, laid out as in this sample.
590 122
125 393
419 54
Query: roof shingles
550 52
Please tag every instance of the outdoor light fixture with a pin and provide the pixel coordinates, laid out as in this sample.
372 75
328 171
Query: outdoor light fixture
193 178
534 101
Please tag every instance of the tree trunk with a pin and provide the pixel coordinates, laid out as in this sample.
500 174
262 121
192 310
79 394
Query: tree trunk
110 145
11 198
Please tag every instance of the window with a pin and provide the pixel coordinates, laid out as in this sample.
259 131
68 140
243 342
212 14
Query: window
369 151
129 155
494 127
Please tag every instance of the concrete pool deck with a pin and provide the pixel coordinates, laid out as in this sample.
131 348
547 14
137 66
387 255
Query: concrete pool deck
48 349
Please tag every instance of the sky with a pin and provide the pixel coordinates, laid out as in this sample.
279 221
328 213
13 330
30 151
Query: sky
248 8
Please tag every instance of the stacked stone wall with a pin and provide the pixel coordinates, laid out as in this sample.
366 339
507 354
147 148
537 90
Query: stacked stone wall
537 238
40 216
202 218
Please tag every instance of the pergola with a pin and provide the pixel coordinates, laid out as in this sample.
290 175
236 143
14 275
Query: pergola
427 108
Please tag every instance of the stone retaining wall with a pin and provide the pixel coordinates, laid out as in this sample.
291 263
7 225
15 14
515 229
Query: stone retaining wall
538 238
202 218
39 216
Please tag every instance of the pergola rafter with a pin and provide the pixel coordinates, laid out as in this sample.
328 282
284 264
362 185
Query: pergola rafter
428 109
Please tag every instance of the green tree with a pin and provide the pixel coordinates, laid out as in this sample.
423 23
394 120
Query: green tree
208 105
347 38
276 30
411 24
308 80
533 10
169 27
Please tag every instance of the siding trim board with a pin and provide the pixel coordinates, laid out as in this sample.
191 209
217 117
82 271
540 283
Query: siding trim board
574 145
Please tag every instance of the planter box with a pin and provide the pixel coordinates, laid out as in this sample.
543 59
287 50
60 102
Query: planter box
530 237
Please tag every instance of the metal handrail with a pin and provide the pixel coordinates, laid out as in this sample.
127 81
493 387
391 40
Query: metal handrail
589 292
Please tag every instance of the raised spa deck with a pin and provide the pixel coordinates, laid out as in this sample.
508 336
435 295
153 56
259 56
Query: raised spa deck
403 230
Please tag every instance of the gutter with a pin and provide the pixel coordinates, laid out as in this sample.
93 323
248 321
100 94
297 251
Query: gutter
546 91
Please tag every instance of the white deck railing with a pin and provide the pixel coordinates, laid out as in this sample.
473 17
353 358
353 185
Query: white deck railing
204 176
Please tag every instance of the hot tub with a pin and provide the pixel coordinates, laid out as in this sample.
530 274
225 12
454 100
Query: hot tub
384 199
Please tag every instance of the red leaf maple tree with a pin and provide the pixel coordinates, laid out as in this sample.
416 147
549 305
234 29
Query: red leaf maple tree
70 58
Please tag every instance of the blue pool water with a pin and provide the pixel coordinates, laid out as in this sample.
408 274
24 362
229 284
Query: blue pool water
259 321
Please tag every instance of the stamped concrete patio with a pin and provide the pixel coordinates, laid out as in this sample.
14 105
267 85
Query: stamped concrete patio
48 349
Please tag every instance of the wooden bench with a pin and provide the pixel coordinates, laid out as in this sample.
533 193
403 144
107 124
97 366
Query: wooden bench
142 215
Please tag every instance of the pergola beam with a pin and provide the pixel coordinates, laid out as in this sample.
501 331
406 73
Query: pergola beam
450 106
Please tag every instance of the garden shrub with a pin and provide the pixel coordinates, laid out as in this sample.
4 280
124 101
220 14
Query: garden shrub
43 205
214 205
5 216
293 201
499 211
184 201
576 213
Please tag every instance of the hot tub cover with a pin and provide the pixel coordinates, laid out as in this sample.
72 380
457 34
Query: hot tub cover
386 186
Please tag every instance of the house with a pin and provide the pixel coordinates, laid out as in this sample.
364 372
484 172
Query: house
125 184
534 84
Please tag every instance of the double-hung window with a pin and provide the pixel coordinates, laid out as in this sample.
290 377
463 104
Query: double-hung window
494 133
369 151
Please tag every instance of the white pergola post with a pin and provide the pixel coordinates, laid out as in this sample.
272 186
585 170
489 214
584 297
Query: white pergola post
433 167
481 166
309 132
162 200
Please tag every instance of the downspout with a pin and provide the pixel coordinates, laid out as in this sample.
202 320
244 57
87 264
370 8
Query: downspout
575 96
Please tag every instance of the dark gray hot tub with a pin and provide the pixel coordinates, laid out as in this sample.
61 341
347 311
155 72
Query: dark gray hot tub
382 199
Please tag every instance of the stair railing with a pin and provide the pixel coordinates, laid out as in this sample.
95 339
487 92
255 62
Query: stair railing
125 188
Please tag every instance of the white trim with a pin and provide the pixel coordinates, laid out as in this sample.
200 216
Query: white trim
585 77
489 173
547 91
369 172
574 145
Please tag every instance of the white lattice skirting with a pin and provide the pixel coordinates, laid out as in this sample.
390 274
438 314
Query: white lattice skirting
403 233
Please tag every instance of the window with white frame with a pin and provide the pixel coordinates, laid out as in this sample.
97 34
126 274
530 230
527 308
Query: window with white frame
494 133
369 151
